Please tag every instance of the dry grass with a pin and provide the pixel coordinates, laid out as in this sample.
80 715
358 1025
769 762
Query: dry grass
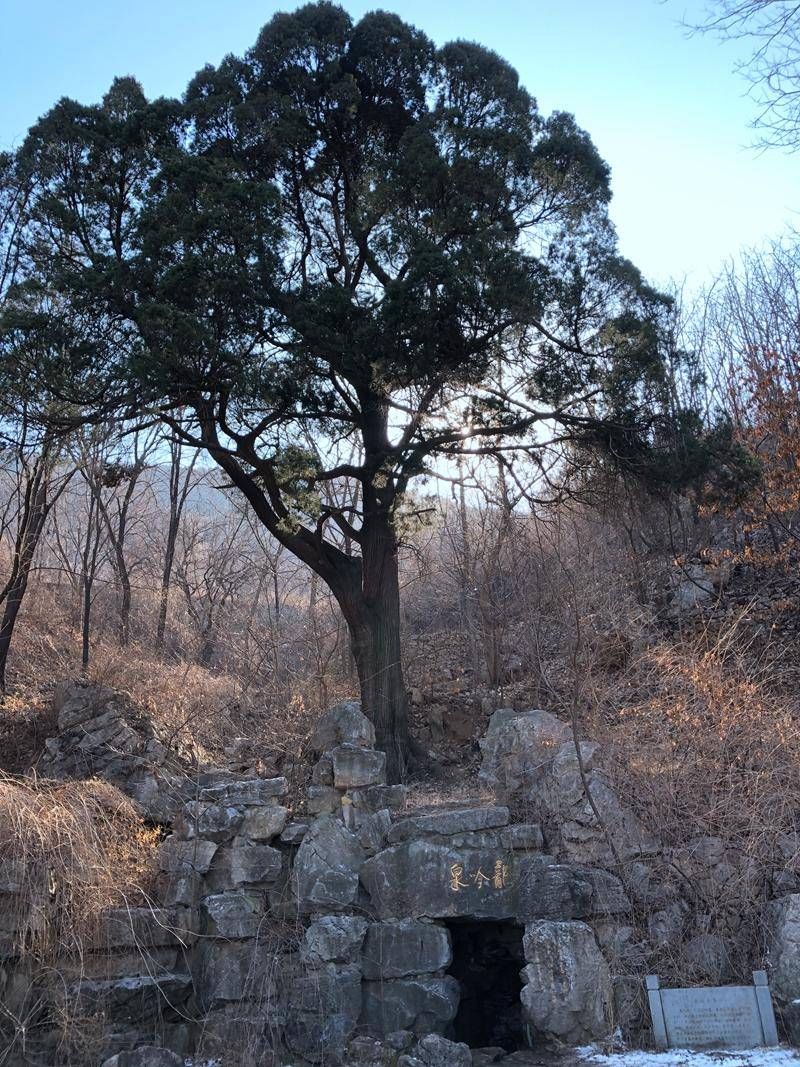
69 851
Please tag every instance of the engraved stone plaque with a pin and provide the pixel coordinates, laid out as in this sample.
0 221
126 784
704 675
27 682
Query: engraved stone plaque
731 1017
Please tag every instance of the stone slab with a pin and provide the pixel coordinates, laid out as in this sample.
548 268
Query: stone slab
732 1017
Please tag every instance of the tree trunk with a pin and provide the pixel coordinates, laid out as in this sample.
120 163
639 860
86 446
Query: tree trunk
32 527
373 617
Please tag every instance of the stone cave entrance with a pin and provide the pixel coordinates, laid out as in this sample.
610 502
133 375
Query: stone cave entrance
487 960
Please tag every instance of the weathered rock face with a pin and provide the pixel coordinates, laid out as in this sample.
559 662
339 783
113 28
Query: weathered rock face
422 1005
102 735
426 878
334 939
405 947
783 959
517 748
327 866
325 1008
568 992
344 724
531 755
436 1051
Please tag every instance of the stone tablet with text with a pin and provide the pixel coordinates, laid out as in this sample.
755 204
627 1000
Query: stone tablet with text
730 1017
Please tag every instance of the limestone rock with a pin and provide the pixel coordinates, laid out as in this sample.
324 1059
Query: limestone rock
294 833
517 748
324 1006
459 821
405 947
334 939
342 724
323 800
568 994
783 959
427 878
422 1005
523 836
436 1051
246 792
184 858
372 831
263 824
377 797
234 914
553 891
355 767
246 865
215 822
327 866
231 971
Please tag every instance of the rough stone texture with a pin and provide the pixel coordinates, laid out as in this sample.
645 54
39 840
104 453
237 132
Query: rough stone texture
146 928
247 865
323 800
405 947
145 1056
294 833
445 823
517 747
246 792
334 939
325 1005
342 724
372 831
532 755
327 866
234 914
101 734
525 836
436 1051
783 959
355 767
264 824
554 891
182 858
426 878
233 970
422 1005
376 797
568 993
215 822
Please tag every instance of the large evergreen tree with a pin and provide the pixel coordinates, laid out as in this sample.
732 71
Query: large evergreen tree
345 256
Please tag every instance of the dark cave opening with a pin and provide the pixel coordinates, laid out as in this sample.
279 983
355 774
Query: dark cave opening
487 960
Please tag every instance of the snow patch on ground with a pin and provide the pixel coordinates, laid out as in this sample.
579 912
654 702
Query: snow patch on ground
762 1057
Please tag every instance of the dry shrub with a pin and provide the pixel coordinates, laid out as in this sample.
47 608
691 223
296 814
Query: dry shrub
71 850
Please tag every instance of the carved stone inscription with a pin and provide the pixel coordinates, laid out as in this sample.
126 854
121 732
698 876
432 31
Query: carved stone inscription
722 1017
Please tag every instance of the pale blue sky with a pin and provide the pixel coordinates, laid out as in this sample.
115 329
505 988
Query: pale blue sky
666 111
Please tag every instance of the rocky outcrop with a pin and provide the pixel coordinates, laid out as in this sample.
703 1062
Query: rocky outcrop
568 993
783 960
101 734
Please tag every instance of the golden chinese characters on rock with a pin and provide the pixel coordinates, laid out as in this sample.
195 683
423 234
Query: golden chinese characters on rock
498 879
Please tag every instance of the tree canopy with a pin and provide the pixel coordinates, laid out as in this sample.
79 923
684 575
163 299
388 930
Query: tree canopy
341 259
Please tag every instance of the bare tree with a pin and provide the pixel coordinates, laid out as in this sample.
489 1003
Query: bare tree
180 485
773 66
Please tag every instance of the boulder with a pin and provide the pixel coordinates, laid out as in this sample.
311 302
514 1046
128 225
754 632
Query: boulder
263 824
517 748
568 992
184 858
231 971
553 891
323 800
422 1005
355 767
436 1051
246 792
342 724
246 865
334 939
294 833
423 878
525 836
443 823
323 1011
235 914
377 797
216 822
405 947
372 831
327 865
782 918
